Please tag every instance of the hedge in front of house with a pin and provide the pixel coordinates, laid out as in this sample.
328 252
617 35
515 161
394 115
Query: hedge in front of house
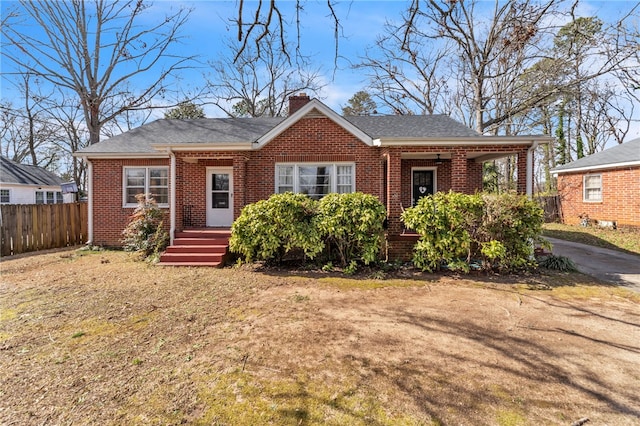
495 232
352 225
349 225
270 229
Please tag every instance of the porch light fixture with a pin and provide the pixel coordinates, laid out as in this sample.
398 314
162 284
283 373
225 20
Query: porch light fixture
438 160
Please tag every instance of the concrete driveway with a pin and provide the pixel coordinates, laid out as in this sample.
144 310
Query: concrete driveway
607 265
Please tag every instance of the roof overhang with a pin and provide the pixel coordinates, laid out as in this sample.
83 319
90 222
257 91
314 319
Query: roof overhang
463 141
306 109
634 163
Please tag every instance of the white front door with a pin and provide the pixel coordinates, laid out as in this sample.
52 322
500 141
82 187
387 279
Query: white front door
219 196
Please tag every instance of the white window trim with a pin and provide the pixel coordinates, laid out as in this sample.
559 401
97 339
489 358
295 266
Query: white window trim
584 188
333 178
146 184
9 191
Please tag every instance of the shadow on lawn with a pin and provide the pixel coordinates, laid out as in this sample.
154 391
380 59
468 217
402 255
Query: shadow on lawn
440 388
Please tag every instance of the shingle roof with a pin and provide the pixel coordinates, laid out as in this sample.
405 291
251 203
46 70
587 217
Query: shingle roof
625 153
12 172
411 126
171 131
239 130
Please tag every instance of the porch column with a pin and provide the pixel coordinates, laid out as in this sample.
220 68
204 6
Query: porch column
523 174
459 170
394 189
239 183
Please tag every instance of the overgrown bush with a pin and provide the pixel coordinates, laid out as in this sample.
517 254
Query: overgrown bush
270 229
352 225
515 221
459 230
349 225
145 232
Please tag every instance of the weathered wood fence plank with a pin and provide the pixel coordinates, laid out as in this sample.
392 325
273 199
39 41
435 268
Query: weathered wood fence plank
31 227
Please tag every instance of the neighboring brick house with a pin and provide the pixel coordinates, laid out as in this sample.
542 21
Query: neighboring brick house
604 186
205 170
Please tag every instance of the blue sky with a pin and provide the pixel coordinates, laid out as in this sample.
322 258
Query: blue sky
209 24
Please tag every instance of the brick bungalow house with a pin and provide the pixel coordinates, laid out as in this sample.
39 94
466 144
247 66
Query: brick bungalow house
204 171
604 186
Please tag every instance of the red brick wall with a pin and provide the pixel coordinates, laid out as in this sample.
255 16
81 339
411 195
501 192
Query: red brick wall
109 217
620 197
313 140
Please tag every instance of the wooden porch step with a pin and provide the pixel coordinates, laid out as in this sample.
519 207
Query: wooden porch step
197 247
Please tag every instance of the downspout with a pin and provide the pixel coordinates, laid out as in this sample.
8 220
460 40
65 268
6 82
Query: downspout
172 198
530 153
89 201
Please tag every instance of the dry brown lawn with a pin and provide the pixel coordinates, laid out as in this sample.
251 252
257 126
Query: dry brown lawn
98 338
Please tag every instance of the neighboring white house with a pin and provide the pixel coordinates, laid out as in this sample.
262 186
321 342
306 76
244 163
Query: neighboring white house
24 184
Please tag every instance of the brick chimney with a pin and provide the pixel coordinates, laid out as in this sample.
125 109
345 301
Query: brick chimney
297 101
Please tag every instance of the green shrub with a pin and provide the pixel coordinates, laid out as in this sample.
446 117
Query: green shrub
498 231
145 232
558 263
515 221
352 225
442 221
270 229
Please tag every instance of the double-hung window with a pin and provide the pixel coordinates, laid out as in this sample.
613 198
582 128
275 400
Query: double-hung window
146 180
48 197
592 188
5 196
315 180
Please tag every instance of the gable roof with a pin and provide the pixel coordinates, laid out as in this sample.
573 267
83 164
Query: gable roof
623 155
24 174
310 107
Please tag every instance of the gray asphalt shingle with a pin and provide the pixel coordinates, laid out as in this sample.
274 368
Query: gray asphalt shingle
238 130
12 172
623 153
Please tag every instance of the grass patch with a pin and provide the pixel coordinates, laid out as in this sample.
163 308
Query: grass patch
616 239
7 314
241 398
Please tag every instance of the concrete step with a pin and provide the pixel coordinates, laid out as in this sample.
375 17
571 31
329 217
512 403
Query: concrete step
200 241
198 248
191 257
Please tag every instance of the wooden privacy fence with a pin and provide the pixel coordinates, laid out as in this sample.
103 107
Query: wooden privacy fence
551 206
32 227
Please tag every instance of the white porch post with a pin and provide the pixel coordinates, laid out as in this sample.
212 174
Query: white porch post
530 153
172 198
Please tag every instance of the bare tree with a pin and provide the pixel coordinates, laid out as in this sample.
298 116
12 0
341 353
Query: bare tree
93 48
406 76
261 29
27 132
259 83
